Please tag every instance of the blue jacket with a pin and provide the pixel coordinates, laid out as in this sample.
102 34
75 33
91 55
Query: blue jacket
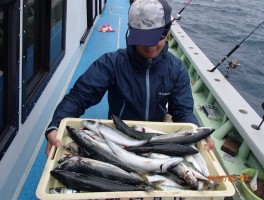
138 88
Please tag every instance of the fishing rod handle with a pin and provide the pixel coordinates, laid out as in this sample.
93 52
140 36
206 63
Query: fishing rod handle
233 50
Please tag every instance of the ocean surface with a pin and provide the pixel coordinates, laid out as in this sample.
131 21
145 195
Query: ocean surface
217 26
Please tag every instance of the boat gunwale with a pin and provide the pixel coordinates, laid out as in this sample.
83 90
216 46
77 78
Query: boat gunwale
242 115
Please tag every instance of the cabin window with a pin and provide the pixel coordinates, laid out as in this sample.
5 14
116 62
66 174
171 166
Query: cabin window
92 11
57 44
1 69
90 14
101 6
95 9
9 72
43 47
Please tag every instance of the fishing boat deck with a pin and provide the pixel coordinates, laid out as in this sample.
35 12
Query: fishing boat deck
97 43
115 14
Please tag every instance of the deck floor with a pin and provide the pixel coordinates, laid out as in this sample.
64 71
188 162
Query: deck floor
115 14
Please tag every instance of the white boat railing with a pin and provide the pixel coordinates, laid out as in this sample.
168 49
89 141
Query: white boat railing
237 112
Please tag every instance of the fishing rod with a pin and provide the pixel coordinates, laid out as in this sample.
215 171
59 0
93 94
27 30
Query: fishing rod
235 48
179 14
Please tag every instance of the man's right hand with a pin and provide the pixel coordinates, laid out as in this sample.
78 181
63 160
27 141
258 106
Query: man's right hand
52 140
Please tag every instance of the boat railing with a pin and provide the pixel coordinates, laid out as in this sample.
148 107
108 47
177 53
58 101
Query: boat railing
238 119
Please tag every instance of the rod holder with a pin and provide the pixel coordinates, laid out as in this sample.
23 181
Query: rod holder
262 118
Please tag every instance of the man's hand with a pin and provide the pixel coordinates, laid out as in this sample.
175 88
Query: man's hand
210 145
52 140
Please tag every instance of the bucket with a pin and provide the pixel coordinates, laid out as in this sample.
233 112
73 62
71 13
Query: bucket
247 192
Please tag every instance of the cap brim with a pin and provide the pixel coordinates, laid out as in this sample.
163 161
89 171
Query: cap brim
142 37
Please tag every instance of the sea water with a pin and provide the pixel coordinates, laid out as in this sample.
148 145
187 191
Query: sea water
217 26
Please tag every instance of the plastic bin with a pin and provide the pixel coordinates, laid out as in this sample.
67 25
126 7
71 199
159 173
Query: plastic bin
47 181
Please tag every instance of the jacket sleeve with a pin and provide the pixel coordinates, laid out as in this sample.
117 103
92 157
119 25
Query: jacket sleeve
180 105
87 91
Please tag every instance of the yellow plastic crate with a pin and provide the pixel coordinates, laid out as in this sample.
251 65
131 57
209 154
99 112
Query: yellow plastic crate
46 182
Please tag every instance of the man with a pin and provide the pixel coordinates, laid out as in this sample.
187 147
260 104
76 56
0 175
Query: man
141 79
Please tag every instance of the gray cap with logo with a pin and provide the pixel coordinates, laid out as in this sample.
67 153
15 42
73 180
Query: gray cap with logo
147 20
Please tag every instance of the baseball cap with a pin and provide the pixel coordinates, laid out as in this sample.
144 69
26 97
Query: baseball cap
147 20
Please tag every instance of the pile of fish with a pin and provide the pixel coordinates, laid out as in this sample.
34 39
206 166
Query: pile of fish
103 158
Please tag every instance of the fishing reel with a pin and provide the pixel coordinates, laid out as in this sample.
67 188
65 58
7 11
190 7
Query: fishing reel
178 17
233 64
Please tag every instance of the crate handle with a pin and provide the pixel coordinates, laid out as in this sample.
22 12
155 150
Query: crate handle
211 155
53 152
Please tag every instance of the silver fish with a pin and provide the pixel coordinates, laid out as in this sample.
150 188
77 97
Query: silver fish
145 129
81 182
185 173
191 159
94 135
194 171
253 182
101 143
197 175
167 183
124 128
170 149
143 163
97 152
112 133
98 168
196 166
71 147
201 162
61 190
184 137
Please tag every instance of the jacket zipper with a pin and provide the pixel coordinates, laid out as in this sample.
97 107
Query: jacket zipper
147 90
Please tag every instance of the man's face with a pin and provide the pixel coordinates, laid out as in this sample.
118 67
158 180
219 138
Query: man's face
151 52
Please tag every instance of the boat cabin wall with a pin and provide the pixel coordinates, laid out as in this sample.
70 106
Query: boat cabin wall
30 126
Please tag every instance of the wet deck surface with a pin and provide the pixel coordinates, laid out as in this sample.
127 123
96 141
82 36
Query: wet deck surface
115 14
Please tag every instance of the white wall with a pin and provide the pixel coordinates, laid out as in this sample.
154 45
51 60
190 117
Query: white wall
16 163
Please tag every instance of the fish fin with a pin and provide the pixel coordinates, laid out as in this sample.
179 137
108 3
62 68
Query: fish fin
142 175
156 187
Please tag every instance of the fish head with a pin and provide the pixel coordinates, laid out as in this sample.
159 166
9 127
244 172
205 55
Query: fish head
71 147
191 180
66 157
68 163
90 124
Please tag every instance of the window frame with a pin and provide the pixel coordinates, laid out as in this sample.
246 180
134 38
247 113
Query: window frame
10 73
31 91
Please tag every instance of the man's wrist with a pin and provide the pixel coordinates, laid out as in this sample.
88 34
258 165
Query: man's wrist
49 130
